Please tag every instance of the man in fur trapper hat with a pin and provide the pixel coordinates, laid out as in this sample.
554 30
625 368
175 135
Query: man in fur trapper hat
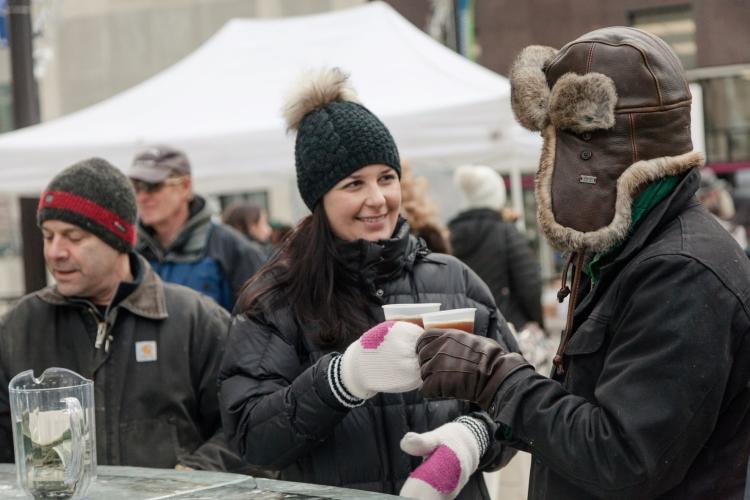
650 396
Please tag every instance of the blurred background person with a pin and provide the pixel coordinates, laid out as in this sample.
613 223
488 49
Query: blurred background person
494 248
715 196
250 220
420 211
176 233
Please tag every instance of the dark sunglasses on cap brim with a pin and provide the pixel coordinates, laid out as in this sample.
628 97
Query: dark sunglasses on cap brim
153 187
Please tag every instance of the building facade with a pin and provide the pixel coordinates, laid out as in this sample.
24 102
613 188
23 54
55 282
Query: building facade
88 50
711 37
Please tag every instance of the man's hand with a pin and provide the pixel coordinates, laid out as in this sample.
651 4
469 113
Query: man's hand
460 365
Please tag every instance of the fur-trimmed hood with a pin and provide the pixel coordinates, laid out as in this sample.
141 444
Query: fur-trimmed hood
628 186
614 110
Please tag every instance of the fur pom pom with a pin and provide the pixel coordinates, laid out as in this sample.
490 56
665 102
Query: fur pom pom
529 93
582 103
313 90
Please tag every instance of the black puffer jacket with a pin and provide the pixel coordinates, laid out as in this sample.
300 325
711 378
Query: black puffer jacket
501 256
277 406
655 398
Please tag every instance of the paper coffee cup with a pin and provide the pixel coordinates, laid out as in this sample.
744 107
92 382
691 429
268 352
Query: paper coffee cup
409 312
457 319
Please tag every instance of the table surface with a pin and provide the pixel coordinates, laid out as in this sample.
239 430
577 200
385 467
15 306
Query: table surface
138 483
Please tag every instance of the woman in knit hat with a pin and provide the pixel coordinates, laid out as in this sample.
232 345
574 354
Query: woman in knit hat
312 384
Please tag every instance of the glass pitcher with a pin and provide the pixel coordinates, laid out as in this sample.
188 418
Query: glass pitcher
54 434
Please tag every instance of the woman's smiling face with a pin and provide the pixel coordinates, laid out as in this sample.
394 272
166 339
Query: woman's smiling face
365 205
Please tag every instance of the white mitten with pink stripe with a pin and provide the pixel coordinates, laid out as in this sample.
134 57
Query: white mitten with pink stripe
452 453
383 359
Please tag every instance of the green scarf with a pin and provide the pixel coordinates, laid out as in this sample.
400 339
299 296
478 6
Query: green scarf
642 205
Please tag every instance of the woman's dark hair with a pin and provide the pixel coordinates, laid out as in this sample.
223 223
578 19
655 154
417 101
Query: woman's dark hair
241 214
309 273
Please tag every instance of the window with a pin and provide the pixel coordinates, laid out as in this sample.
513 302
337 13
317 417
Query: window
726 102
259 198
674 25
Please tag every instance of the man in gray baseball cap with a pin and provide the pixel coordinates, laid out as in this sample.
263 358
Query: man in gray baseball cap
176 234
157 163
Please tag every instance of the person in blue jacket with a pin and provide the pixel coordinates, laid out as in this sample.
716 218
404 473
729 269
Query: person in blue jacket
176 234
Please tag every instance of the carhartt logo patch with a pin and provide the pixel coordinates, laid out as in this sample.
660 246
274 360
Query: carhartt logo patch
145 351
587 179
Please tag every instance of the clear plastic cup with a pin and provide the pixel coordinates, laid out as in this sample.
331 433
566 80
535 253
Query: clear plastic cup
409 312
457 319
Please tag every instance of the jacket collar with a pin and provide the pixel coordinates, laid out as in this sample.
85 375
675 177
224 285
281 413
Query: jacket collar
383 260
147 300
643 204
681 197
660 215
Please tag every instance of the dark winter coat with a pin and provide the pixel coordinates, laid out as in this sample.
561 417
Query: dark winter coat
501 256
655 400
278 408
150 413
211 258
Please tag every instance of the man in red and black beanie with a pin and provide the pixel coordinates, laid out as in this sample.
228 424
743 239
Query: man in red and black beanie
95 196
110 318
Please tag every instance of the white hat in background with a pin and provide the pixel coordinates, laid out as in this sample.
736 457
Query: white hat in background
482 186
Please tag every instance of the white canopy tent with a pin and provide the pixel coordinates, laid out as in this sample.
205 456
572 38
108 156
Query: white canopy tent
222 105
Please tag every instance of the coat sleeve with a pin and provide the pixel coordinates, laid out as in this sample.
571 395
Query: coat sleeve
207 348
275 408
498 454
658 393
525 278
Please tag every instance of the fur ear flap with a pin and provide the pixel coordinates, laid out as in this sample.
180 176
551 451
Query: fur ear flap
313 90
582 103
529 92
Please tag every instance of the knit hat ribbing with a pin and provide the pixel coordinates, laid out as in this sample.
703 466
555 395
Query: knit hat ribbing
336 135
95 196
482 186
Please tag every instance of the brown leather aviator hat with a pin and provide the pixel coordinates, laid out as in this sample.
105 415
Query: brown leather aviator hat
614 110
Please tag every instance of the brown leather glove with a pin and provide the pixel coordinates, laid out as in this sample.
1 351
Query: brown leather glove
460 365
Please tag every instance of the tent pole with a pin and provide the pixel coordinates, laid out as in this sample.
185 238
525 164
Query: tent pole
25 101
25 113
34 273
